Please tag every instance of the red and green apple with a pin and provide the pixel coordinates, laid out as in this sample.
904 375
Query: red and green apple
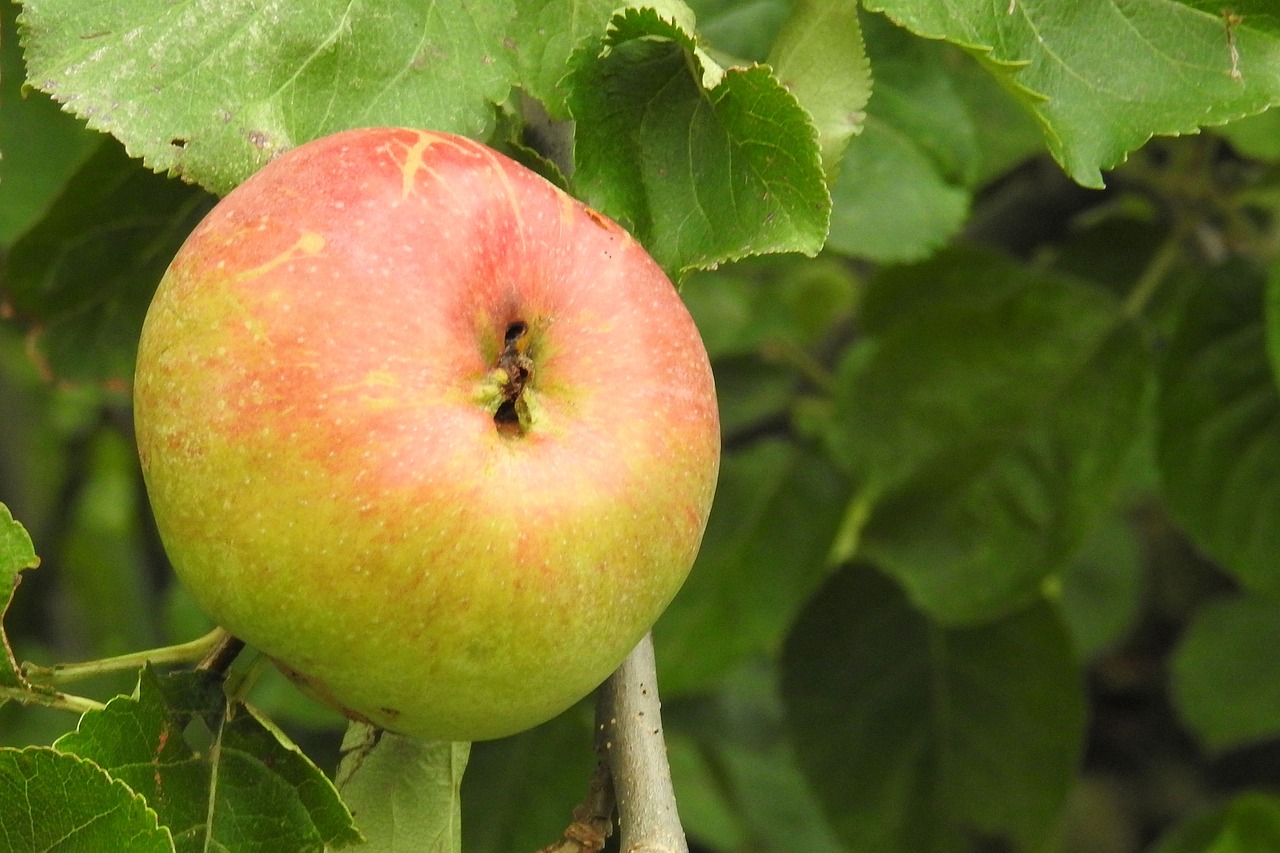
434 436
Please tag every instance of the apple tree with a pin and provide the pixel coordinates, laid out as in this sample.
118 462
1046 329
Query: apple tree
990 295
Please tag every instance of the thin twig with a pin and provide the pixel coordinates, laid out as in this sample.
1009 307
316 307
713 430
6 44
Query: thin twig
629 725
64 673
50 699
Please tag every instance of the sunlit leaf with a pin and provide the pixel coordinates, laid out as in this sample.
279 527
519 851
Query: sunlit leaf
213 94
1104 76
700 173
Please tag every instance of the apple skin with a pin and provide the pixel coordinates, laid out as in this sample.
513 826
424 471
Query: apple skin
315 400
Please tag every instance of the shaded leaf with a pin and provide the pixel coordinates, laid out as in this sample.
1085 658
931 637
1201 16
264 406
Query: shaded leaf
1100 590
985 418
1226 678
700 173
403 792
761 305
915 736
213 95
82 278
1250 823
903 189
519 792
1218 445
50 800
766 549
1103 77
736 774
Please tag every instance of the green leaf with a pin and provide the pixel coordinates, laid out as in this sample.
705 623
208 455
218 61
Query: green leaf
260 790
762 305
1218 445
50 800
985 417
1256 136
819 56
1271 318
17 554
914 735
766 549
101 554
214 95
519 792
744 31
754 396
1226 679
40 146
1102 77
903 189
1250 823
82 278
405 792
736 774
546 33
1100 590
700 172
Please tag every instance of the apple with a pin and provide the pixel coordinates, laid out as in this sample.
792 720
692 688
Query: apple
434 436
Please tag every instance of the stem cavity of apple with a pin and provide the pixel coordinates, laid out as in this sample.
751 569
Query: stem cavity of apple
512 373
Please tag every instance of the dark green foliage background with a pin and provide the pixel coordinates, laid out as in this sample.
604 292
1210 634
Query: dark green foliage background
993 561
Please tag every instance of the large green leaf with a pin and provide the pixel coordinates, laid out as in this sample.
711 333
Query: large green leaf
916 736
545 34
766 549
82 278
819 56
51 800
259 790
1104 76
903 189
1219 434
213 94
984 420
405 791
701 164
1226 678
